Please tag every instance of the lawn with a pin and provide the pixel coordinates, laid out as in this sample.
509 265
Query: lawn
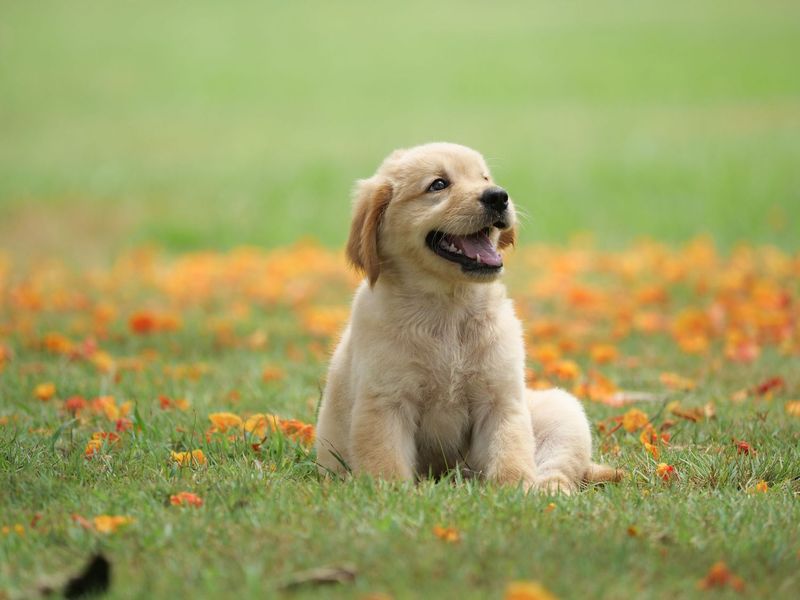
216 124
687 361
174 187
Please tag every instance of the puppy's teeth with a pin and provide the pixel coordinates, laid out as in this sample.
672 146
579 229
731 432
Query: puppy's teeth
452 248
478 258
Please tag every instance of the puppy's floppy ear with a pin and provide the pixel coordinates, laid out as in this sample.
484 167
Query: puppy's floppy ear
508 237
370 200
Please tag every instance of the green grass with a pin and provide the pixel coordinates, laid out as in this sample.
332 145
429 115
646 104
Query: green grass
197 124
210 125
268 516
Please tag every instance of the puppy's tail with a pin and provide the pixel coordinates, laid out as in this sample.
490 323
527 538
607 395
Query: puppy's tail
597 473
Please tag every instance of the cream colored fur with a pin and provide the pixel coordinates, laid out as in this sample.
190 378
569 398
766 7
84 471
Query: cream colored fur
429 373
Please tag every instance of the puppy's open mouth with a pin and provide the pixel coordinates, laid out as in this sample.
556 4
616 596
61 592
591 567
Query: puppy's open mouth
474 252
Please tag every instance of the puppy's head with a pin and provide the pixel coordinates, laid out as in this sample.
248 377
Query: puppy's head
432 211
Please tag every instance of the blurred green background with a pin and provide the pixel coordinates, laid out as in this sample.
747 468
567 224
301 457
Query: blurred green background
213 124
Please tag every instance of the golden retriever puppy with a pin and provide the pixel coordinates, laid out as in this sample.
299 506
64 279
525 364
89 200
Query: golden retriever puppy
429 373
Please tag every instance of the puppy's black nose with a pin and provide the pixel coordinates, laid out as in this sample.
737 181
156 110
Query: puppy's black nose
495 198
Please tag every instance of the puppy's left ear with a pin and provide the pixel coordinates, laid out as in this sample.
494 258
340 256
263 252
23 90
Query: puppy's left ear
508 237
370 200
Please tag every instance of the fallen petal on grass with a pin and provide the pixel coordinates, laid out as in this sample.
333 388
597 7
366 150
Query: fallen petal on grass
110 523
223 421
762 487
666 472
634 419
186 499
448 534
720 576
677 382
527 590
792 408
45 391
186 459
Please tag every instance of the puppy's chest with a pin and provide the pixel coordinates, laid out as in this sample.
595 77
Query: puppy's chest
452 361
450 366
450 383
452 374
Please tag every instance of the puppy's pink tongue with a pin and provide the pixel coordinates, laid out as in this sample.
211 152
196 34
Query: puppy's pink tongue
480 248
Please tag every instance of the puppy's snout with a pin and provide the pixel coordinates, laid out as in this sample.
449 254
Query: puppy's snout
495 198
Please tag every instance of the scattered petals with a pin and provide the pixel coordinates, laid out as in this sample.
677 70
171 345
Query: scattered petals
325 320
186 499
653 450
599 388
634 419
603 353
565 370
123 425
590 313
769 386
82 521
97 440
223 421
107 405
762 487
298 431
271 373
17 529
167 403
57 343
45 391
690 414
527 590
448 534
146 322
186 459
260 424
110 523
666 472
545 353
677 382
102 523
720 576
75 404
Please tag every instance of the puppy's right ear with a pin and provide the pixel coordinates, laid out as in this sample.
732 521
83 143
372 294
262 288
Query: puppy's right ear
371 198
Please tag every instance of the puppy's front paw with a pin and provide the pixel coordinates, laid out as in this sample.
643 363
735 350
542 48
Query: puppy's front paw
555 484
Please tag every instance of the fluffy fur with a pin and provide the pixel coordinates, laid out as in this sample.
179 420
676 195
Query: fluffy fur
429 373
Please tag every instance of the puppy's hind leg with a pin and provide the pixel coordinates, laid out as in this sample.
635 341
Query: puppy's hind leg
598 473
563 442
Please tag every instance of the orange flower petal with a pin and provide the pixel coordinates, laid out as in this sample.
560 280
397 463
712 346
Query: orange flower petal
45 391
448 534
634 420
527 590
186 499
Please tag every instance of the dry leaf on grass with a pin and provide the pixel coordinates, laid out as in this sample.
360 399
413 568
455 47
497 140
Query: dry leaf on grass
321 576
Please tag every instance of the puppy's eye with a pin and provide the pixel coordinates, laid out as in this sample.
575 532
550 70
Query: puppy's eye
438 185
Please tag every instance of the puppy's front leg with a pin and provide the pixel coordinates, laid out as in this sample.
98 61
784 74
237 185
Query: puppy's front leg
502 444
382 438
